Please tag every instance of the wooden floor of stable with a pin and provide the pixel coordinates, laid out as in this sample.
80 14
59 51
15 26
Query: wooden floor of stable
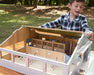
5 71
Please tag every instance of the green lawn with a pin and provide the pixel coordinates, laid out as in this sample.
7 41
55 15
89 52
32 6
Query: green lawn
12 17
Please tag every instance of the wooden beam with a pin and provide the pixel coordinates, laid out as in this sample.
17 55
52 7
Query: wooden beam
65 33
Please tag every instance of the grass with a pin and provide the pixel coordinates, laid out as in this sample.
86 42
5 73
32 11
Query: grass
13 17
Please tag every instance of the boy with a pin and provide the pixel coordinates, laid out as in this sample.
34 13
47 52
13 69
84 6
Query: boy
73 20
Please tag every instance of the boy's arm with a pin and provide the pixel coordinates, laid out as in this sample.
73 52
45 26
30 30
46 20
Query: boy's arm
87 29
53 24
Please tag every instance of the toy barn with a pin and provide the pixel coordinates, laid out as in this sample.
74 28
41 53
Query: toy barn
43 51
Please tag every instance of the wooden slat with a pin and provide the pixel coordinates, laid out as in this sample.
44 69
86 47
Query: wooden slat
46 53
51 45
55 55
23 50
46 33
19 45
9 47
37 42
74 45
59 47
7 56
36 51
58 31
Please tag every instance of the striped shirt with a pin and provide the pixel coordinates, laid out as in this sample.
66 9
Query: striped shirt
79 23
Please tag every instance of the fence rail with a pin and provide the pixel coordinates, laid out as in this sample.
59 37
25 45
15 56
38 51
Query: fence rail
27 56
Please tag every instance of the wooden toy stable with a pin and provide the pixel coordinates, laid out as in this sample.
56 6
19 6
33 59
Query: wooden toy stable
45 49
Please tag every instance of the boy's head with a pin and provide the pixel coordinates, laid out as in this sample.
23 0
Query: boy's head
76 6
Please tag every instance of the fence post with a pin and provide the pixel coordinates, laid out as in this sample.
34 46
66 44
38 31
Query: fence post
0 54
27 62
44 67
65 70
12 58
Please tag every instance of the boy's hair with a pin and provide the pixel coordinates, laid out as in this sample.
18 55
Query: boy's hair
71 1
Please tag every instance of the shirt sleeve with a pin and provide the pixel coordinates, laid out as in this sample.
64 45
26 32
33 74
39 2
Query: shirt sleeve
84 24
53 24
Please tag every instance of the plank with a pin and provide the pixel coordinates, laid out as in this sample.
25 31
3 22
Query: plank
58 31
46 53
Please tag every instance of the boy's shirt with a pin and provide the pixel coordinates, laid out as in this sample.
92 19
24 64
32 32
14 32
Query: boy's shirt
78 24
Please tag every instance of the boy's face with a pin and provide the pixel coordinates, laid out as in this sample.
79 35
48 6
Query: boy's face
76 8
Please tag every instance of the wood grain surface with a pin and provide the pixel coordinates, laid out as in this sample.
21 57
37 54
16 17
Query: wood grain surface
5 71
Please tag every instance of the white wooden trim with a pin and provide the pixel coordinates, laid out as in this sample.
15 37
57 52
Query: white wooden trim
85 47
65 70
77 68
10 64
82 41
44 67
0 54
34 57
12 58
27 60
82 45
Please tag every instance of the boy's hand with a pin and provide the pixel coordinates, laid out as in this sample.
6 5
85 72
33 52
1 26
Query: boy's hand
90 35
